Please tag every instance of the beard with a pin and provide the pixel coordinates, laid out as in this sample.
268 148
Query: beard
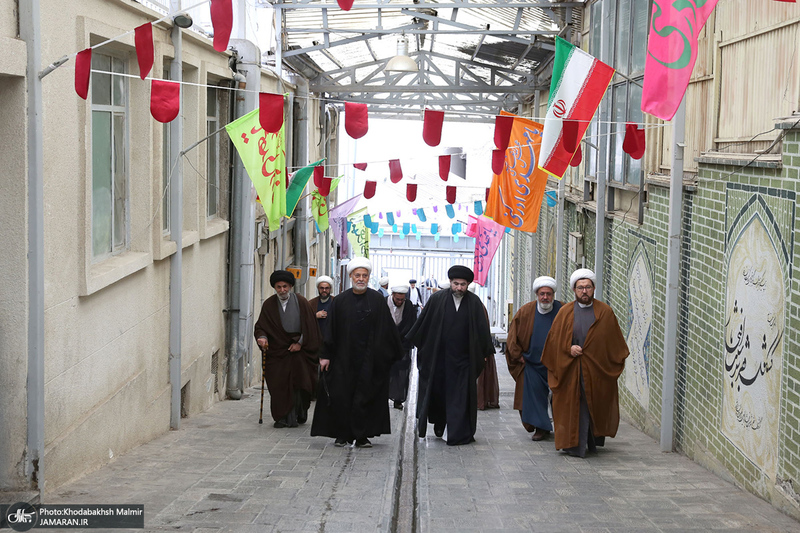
458 295
283 297
545 308
360 286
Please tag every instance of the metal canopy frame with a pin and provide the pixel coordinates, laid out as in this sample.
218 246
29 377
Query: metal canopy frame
475 57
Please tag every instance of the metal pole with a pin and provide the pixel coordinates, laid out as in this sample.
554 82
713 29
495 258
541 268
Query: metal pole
673 271
600 235
560 281
30 32
176 231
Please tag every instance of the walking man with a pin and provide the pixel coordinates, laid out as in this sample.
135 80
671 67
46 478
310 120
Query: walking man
404 315
584 354
526 338
414 293
288 335
453 340
360 345
384 286
320 304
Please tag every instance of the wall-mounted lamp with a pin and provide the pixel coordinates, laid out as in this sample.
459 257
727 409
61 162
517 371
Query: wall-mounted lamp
182 20
401 62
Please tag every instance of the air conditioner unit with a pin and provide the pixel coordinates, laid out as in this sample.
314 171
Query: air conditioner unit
575 247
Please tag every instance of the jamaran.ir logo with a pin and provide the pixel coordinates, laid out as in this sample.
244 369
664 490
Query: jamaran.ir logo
21 516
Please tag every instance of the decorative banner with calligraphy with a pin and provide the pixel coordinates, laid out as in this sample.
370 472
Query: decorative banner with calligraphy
758 273
640 325
319 207
488 236
358 234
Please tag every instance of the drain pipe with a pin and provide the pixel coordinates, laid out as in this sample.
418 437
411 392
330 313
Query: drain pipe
560 281
300 158
30 32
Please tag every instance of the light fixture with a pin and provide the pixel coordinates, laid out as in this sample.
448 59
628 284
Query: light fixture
401 62
182 20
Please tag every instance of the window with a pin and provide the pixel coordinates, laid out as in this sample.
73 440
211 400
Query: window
109 157
212 153
619 38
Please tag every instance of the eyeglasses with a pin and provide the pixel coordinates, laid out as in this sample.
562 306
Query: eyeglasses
584 289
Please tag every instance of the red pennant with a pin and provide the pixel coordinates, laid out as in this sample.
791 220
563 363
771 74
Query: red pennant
411 192
634 141
319 174
325 185
222 20
83 67
502 130
444 167
288 177
143 37
165 100
487 194
395 172
577 158
498 161
432 127
360 166
356 119
451 194
569 135
345 5
270 112
369 189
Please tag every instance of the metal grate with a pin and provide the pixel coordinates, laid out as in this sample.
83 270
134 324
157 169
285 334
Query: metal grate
215 370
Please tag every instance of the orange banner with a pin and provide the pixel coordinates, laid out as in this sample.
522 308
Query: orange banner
515 197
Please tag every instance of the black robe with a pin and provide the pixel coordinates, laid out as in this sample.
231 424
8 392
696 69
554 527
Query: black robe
361 343
398 377
452 346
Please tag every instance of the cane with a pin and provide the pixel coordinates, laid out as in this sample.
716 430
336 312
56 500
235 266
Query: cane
263 367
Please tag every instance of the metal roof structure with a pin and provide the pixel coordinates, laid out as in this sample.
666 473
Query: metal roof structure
475 57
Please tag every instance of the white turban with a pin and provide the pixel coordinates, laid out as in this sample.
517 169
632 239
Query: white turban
544 281
325 279
581 273
472 287
444 285
359 262
383 281
400 289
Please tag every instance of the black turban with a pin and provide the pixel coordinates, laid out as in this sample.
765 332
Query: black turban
460 272
281 275
412 281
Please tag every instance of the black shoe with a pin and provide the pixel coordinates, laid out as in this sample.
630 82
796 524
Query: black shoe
341 443
398 405
363 443
280 423
438 430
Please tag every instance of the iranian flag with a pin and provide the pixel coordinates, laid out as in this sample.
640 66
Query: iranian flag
579 83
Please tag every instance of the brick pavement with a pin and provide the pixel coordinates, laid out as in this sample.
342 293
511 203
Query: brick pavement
223 472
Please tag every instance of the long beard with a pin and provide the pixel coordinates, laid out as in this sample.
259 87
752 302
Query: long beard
545 308
284 297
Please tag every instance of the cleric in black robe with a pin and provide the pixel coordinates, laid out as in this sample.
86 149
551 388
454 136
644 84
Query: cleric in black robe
453 340
360 346
322 303
404 314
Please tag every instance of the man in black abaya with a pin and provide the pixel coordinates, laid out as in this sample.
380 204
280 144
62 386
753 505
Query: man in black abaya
361 343
453 340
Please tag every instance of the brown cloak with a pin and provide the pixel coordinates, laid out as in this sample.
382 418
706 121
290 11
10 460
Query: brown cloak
517 343
286 371
603 360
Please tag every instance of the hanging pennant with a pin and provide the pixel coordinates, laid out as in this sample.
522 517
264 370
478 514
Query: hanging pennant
222 21
478 207
345 5
394 228
502 130
395 172
414 211
552 198
451 195
444 167
374 228
367 220
435 209
143 38
411 192
436 237
380 216
455 228
569 135
487 194
356 119
432 127
165 100
451 213
455 238
369 189
325 188
380 232
421 215
498 161
406 228
418 236
576 159
634 141
434 229
83 68
390 219
270 112
360 166
319 174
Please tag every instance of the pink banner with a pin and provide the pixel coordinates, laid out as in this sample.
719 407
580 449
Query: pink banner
671 53
486 242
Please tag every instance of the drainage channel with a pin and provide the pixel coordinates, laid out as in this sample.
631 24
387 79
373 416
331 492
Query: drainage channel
405 516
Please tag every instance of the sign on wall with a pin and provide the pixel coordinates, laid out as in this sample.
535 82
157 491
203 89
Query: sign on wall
640 325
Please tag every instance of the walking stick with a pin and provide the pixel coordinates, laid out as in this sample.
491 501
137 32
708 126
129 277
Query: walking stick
263 361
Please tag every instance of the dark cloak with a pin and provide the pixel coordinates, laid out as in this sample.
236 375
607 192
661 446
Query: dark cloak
431 335
286 372
317 306
361 343
398 376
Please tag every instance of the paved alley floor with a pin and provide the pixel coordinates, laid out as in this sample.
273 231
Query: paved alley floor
223 472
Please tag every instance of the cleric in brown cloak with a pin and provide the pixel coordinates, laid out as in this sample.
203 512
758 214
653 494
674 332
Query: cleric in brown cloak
453 340
584 354
361 343
288 334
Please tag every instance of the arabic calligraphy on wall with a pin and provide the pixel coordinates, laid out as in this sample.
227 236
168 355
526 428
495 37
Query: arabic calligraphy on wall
640 325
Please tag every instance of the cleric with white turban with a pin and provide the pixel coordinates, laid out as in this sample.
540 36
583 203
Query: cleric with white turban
581 273
359 262
544 281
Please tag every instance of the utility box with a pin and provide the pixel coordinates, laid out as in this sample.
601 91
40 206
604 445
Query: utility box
575 247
